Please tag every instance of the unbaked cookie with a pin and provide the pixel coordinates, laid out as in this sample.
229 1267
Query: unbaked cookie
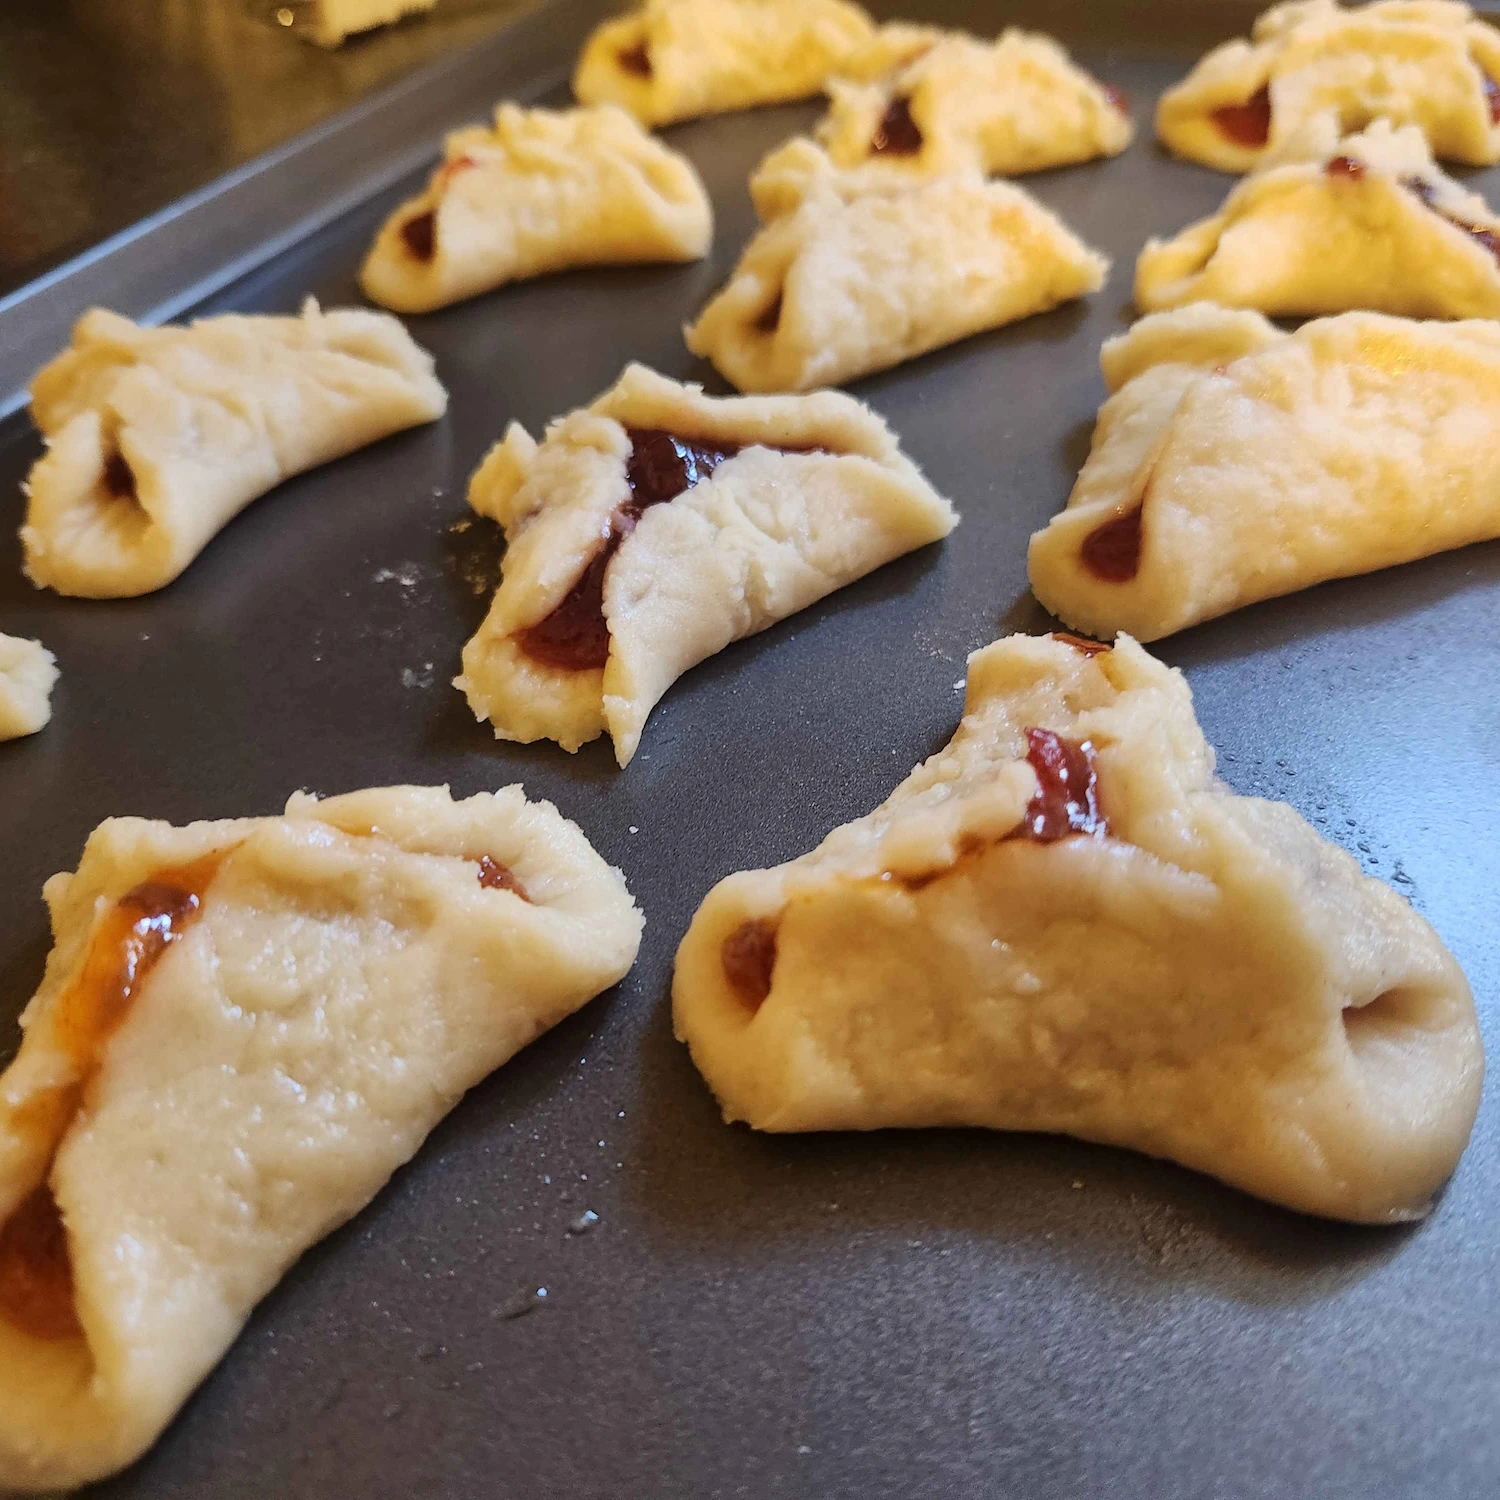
652 528
28 672
1063 922
1018 104
677 59
543 191
244 1028
858 274
156 437
1234 463
1364 222
1427 63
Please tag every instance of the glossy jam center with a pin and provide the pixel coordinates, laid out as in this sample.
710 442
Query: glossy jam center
1346 166
1112 551
748 955
1067 795
36 1277
1247 124
1428 194
897 134
419 234
637 60
494 876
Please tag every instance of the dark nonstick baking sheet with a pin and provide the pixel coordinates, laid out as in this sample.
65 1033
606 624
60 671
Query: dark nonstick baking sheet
902 1315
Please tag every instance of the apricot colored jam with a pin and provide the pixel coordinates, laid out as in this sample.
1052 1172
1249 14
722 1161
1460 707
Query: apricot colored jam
419 234
748 955
1112 551
897 134
1247 124
494 876
36 1273
1067 794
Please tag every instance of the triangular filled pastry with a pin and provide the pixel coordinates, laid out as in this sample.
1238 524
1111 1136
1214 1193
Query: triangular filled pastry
1428 63
652 528
1062 922
857 275
1364 222
156 437
544 190
28 672
678 59
244 1028
1018 104
1235 463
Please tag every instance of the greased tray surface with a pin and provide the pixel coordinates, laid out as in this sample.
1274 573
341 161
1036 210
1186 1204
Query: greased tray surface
902 1315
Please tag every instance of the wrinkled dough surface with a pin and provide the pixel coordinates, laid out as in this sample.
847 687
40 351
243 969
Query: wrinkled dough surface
1211 982
856 279
345 981
1412 62
28 672
542 191
766 535
156 437
1259 462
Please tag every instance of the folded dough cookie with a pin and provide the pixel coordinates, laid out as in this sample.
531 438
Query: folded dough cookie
677 59
1063 922
244 1028
1365 222
1427 63
652 528
1018 104
542 191
859 277
156 437
27 674
1234 463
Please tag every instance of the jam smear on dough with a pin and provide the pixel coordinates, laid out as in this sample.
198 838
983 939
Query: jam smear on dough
1112 550
1247 124
36 1273
494 876
897 134
1424 190
748 956
636 59
1346 166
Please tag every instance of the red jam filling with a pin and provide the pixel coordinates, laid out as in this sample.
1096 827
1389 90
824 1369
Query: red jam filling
1346 166
897 134
419 234
636 59
36 1273
1491 97
1080 644
119 477
748 956
1112 551
494 876
1117 96
1247 124
1067 793
1429 196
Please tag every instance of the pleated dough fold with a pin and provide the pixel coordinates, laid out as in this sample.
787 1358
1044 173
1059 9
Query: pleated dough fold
1369 221
678 59
544 190
1235 463
156 437
28 672
856 273
1063 922
244 1028
1428 63
652 528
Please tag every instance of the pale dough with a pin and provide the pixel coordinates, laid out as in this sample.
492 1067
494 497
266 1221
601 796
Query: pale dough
1208 981
346 979
27 674
542 191
767 534
1428 63
677 59
156 437
1252 462
1369 221
333 20
858 274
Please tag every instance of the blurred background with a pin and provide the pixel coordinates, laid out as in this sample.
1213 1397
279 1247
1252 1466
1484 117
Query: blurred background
112 109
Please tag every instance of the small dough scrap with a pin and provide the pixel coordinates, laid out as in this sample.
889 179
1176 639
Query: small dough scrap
544 190
1235 463
1369 221
245 1027
859 273
28 671
1428 63
1018 104
678 59
157 437
1174 969
889 49
774 502
334 20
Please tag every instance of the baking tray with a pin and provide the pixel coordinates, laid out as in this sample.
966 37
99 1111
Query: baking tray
900 1314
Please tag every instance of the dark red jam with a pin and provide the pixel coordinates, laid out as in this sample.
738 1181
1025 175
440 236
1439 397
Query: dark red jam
1117 96
1079 644
1429 196
897 134
1112 551
748 955
36 1271
636 59
1491 96
494 876
1346 166
1247 124
770 320
119 477
1067 793
419 234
